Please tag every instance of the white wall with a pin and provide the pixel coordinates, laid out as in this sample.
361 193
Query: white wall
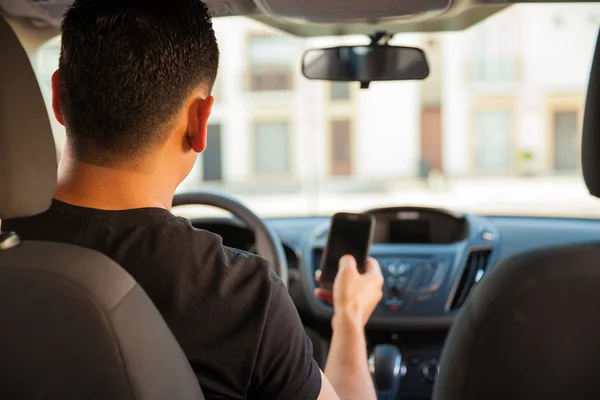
556 44
388 130
455 106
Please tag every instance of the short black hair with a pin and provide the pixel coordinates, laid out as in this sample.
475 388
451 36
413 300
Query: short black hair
126 67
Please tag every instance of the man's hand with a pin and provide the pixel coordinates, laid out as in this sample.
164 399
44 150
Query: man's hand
355 295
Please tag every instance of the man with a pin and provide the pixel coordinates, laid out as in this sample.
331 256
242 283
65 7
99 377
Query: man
133 91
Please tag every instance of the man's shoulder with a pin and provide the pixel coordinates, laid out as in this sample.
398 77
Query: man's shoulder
214 262
206 240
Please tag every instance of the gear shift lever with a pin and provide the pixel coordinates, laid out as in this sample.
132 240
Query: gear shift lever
387 371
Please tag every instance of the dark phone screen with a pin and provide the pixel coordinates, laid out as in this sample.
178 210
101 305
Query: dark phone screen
346 236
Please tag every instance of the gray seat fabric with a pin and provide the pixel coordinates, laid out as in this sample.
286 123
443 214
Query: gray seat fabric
531 328
76 326
27 156
73 324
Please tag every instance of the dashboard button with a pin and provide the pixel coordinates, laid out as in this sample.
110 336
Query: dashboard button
397 268
488 236
394 297
401 282
395 302
383 262
396 280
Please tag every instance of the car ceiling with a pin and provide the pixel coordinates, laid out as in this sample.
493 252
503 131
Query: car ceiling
313 17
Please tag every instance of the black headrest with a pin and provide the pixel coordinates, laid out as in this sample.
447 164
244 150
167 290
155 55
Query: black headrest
75 325
590 142
27 152
530 330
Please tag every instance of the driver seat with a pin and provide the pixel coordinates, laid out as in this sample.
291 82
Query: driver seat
74 325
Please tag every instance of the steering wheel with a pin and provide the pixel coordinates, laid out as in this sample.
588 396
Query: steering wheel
268 244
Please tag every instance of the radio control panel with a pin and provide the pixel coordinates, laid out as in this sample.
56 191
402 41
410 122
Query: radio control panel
409 279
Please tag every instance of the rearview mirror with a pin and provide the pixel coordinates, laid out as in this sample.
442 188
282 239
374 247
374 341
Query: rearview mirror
365 63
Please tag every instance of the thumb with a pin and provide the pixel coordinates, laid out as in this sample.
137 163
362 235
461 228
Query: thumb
347 263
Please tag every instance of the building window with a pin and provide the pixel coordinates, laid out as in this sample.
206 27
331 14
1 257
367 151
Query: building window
493 147
566 141
270 63
496 51
341 147
272 148
340 91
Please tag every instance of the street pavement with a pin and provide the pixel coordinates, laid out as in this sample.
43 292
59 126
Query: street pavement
527 196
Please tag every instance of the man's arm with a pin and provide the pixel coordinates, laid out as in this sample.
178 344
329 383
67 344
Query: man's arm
285 368
355 296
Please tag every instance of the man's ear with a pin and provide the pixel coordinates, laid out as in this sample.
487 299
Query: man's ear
56 97
197 133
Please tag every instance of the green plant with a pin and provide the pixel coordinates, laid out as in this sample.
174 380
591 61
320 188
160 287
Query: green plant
527 155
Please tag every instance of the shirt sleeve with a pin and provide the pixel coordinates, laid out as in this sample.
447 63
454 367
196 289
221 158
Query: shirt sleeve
285 368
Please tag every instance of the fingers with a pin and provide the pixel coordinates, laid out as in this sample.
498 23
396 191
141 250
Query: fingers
372 267
347 267
346 262
324 295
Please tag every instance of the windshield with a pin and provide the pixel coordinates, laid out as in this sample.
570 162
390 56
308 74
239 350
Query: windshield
495 128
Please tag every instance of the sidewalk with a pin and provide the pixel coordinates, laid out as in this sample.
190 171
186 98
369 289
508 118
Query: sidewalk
552 196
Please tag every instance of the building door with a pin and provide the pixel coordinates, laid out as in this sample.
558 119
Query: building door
431 137
341 148
566 141
211 158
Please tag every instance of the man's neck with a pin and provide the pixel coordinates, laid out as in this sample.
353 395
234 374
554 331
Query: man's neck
108 188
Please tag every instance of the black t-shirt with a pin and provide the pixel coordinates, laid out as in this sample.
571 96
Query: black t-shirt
231 315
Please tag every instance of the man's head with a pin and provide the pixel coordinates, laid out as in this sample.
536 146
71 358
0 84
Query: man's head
131 73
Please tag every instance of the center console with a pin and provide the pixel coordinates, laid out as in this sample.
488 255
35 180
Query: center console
413 279
427 274
430 259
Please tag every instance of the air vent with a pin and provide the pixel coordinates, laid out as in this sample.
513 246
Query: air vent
475 268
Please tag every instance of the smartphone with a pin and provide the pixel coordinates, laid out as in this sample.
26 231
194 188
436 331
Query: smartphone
349 234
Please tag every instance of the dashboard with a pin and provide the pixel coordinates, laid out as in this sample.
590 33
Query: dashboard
423 254
431 260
